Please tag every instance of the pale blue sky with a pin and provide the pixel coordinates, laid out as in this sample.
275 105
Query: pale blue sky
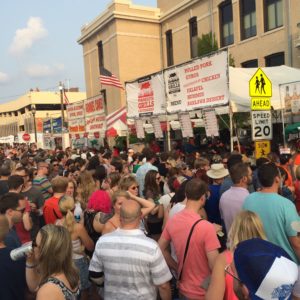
38 43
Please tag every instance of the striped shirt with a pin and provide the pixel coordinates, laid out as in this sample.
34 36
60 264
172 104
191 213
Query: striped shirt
132 264
43 184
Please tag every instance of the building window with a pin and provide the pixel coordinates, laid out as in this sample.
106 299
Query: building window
194 37
248 18
226 23
103 92
276 59
253 63
100 55
273 14
169 41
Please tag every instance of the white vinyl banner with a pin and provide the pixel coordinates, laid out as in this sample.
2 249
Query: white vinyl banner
75 110
146 96
198 84
94 114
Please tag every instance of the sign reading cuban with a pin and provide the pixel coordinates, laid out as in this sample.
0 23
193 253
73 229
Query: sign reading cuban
94 114
261 125
260 85
146 96
75 110
198 84
262 149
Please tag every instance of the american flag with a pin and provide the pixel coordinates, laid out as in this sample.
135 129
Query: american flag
107 78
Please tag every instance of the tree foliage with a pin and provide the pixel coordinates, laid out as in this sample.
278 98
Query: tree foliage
207 44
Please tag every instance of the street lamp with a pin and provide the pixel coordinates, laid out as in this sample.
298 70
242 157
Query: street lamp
61 88
33 111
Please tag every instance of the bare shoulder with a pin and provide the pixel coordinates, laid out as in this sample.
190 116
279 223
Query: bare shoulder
49 291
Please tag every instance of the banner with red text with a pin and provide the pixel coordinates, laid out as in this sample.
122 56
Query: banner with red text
94 115
146 96
94 106
95 123
75 110
76 125
198 84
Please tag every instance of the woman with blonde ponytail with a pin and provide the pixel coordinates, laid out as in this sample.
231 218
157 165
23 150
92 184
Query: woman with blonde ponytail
80 241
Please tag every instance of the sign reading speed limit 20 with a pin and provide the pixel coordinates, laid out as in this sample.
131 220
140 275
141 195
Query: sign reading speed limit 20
261 125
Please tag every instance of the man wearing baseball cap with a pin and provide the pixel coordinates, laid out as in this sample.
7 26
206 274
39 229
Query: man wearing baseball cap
262 270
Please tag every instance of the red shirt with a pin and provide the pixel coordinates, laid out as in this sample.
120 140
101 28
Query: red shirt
203 240
51 210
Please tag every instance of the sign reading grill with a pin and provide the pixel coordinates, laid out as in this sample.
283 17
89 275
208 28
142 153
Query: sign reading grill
261 125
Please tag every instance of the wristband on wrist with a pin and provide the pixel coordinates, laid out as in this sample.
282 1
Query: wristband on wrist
30 266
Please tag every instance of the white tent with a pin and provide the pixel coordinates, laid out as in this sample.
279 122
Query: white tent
239 85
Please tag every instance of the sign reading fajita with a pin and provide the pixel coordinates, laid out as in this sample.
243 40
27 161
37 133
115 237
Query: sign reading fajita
146 96
199 84
261 125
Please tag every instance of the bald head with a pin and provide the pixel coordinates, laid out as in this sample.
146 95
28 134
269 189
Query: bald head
130 212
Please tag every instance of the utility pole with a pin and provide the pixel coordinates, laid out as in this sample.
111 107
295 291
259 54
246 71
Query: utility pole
62 105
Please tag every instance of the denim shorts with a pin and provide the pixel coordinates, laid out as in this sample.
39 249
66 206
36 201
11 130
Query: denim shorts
83 267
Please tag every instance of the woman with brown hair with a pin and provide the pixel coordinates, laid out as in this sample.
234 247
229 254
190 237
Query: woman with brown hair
152 193
50 270
86 187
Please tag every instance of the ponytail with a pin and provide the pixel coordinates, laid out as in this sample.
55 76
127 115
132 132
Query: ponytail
69 221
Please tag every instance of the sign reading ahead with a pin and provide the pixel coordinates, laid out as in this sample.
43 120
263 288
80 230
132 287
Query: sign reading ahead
262 149
260 85
260 104
261 125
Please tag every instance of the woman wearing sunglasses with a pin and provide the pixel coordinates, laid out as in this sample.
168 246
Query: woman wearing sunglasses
50 270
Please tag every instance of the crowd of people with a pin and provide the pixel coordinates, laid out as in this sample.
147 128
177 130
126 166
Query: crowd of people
171 225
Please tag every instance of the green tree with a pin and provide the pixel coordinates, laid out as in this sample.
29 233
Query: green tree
207 44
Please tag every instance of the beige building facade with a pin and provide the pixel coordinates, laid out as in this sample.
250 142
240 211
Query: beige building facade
16 116
133 41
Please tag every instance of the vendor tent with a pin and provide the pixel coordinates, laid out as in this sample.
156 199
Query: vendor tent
239 85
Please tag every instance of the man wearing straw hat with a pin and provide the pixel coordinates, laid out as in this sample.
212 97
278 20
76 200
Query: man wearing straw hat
217 173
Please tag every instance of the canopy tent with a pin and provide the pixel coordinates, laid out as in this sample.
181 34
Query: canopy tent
239 85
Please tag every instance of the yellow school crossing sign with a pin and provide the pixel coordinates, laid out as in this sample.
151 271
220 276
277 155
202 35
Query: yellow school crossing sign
260 85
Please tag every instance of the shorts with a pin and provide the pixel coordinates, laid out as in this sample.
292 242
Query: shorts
83 267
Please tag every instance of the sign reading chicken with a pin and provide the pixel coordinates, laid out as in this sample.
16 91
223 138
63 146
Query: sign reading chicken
198 84
145 96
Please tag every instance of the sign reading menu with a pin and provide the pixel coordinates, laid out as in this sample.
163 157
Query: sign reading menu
211 122
186 125
201 83
157 128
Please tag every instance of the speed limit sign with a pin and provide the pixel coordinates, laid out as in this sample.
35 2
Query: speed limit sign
261 125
